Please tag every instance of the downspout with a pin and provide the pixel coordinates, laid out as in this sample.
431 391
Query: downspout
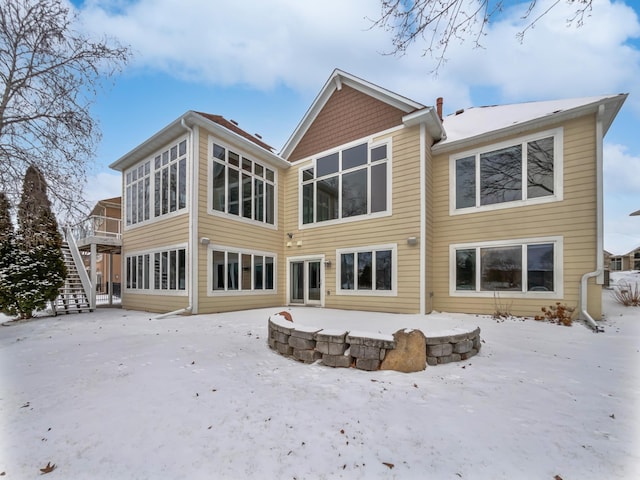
423 218
584 314
192 244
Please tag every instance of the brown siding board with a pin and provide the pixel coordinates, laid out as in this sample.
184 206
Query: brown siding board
347 116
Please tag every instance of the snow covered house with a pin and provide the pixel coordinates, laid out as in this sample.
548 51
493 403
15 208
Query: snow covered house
628 261
374 203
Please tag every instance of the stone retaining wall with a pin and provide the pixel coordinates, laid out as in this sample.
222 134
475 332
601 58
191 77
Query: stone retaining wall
363 350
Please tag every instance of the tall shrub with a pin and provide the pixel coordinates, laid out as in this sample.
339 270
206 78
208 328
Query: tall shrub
39 242
8 252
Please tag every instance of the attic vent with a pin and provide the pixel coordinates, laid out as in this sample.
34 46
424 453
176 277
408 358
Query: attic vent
258 135
459 112
234 122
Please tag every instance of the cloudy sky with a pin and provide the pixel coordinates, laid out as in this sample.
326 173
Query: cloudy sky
263 62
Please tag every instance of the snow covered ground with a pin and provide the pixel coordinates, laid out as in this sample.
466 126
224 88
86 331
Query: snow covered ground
118 395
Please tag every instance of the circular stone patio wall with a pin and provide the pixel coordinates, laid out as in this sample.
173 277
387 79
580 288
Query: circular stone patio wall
370 351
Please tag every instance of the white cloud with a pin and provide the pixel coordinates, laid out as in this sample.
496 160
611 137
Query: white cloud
622 196
262 44
103 185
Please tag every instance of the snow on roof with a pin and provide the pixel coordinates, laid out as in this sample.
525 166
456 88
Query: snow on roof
475 122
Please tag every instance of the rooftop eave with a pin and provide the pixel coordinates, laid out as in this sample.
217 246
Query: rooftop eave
430 118
176 129
335 82
612 107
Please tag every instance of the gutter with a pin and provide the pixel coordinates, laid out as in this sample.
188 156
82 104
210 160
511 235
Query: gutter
423 218
584 314
192 244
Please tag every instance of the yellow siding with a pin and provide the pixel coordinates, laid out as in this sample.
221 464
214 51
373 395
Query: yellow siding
161 233
154 303
573 218
229 232
405 222
155 236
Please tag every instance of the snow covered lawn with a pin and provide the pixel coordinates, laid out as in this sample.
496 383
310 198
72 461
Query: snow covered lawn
117 395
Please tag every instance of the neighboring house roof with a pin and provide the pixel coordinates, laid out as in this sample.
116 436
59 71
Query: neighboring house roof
488 123
114 202
215 123
336 81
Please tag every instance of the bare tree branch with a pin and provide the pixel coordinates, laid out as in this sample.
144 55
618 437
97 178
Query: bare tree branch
50 75
438 22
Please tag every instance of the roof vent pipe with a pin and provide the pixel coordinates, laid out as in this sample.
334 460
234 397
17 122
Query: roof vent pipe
439 102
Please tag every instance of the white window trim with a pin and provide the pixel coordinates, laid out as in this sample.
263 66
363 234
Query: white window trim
239 218
558 168
153 291
234 293
371 144
152 218
558 268
369 293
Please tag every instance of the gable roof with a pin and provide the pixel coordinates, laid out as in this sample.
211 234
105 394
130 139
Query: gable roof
477 124
114 202
215 123
335 82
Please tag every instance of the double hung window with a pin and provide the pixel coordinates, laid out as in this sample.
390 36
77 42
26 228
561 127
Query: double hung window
241 271
170 179
138 193
517 267
351 182
242 187
367 270
522 172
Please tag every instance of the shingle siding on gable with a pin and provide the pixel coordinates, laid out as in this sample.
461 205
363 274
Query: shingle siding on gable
347 116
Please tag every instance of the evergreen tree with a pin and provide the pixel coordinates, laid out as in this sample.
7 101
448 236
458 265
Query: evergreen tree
38 271
8 252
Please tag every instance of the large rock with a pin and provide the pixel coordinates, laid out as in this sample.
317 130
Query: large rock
410 354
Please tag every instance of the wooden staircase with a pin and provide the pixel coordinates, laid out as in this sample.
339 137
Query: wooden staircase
72 296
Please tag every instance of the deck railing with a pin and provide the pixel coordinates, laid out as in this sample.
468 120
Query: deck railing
98 226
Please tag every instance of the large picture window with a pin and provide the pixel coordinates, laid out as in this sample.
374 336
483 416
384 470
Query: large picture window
158 271
348 183
241 271
511 267
367 270
527 171
157 187
242 187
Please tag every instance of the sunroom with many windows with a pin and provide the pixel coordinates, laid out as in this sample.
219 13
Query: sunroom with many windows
157 187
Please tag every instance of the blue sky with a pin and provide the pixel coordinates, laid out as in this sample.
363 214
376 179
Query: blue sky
262 63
